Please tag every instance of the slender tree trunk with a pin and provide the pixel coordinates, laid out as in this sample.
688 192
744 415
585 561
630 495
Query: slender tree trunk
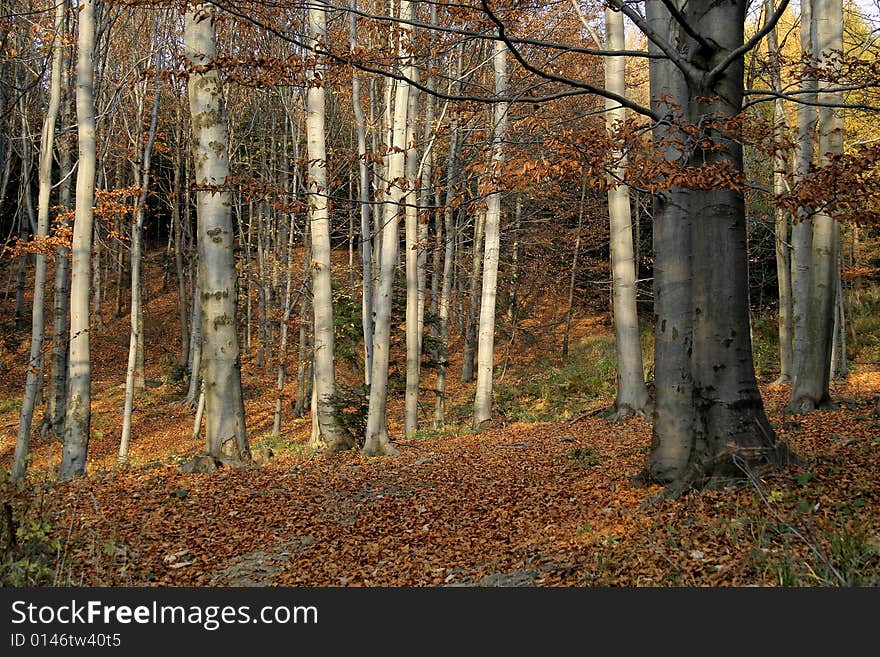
632 395
802 228
450 240
569 311
303 377
331 434
411 229
136 337
54 419
38 324
486 339
783 254
364 204
376 441
221 365
474 293
77 422
810 390
282 347
179 244
195 349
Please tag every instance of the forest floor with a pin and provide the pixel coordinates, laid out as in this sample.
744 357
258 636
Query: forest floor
550 503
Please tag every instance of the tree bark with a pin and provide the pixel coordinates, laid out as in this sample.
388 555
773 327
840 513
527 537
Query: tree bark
412 261
331 434
673 324
486 339
376 442
632 395
802 228
811 389
221 365
78 417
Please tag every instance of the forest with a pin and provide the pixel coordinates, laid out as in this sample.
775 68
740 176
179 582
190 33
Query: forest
493 293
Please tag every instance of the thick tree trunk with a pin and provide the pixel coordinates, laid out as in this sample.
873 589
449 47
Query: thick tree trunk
221 365
632 395
673 325
38 324
810 390
731 430
78 417
331 434
486 336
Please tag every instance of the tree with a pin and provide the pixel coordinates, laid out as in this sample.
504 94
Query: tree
78 416
486 332
319 220
810 390
632 395
221 364
376 442
38 317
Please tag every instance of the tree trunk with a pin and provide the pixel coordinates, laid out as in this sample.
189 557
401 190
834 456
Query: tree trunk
364 205
486 340
783 254
78 417
632 395
38 324
731 431
54 419
810 390
802 228
221 365
376 442
136 337
331 434
673 326
413 249
474 293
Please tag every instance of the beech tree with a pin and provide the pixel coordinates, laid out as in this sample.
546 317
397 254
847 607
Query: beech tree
78 416
632 394
319 220
221 366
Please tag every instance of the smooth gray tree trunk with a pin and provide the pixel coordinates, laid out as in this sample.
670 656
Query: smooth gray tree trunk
78 416
366 244
412 261
376 442
782 217
632 394
811 388
802 224
673 325
486 334
225 432
331 436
